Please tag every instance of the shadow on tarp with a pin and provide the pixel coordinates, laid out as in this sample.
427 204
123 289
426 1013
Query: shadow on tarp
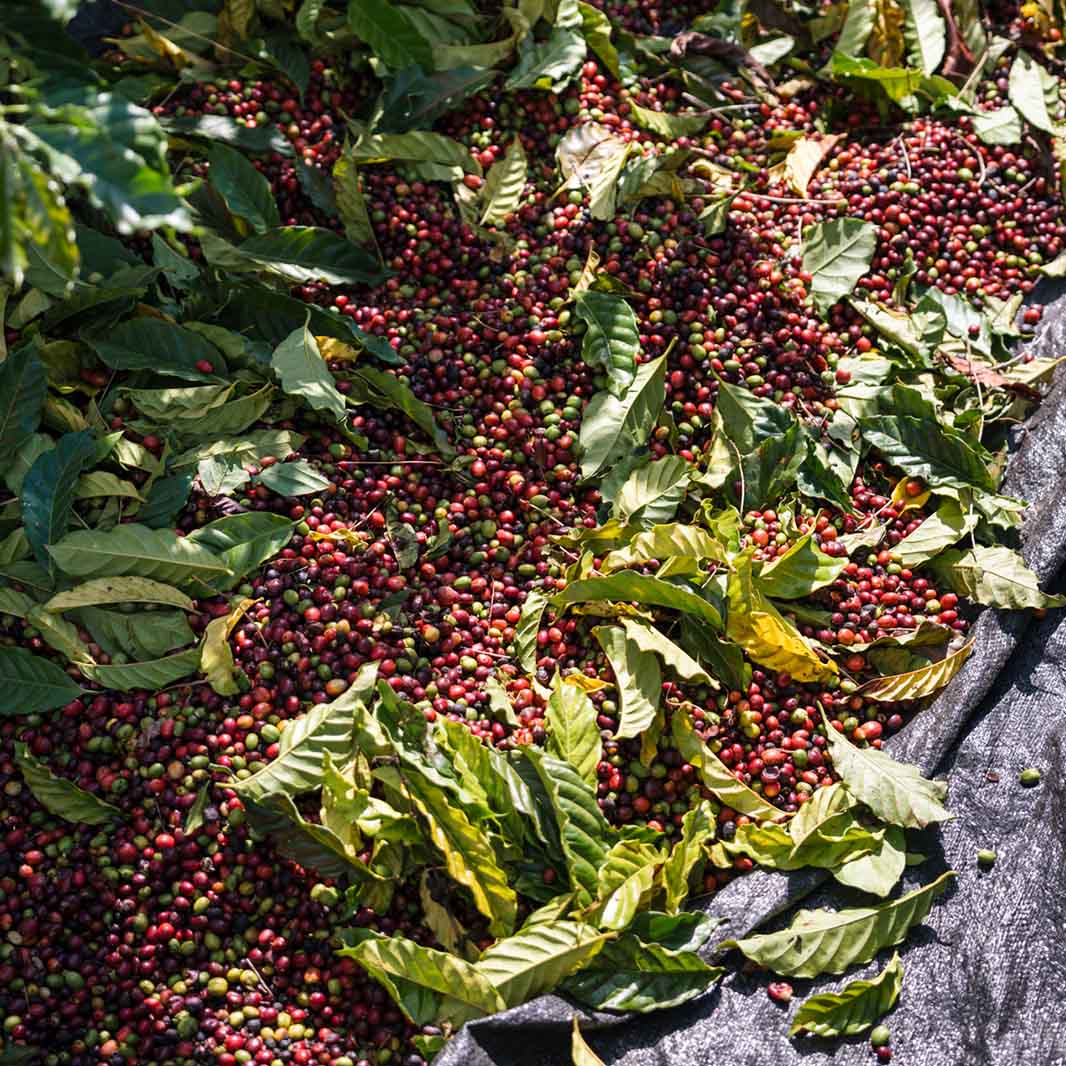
985 975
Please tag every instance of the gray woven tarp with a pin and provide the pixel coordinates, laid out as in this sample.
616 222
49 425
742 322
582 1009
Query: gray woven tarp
985 975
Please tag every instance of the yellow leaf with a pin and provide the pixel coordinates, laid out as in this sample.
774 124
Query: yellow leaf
165 48
580 1052
806 156
216 656
347 536
903 501
885 46
585 683
239 14
915 684
335 351
760 629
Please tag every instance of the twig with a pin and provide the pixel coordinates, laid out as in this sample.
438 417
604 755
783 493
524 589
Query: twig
906 158
740 470
715 110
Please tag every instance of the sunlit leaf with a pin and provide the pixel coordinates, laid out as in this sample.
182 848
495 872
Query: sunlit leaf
822 941
896 792
854 1009
62 797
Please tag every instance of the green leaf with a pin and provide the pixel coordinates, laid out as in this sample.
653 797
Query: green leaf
761 630
631 975
297 255
14 602
165 499
35 445
651 494
59 796
23 384
195 818
244 541
803 569
303 373
535 960
686 860
611 340
631 587
749 420
98 484
309 844
251 448
854 1009
858 25
935 453
550 64
148 343
573 734
327 727
59 634
272 316
143 635
826 831
387 390
152 675
178 269
392 36
580 1053
637 679
900 84
1002 126
414 100
837 253
244 189
351 204
878 871
279 51
1031 87
625 885
500 702
18 1055
296 478
229 418
422 981
115 178
30 684
506 794
503 188
583 831
137 550
997 577
937 532
925 33
596 27
417 147
822 941
49 488
527 628
679 547
666 124
714 774
915 684
895 792
649 639
222 128
221 477
468 853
